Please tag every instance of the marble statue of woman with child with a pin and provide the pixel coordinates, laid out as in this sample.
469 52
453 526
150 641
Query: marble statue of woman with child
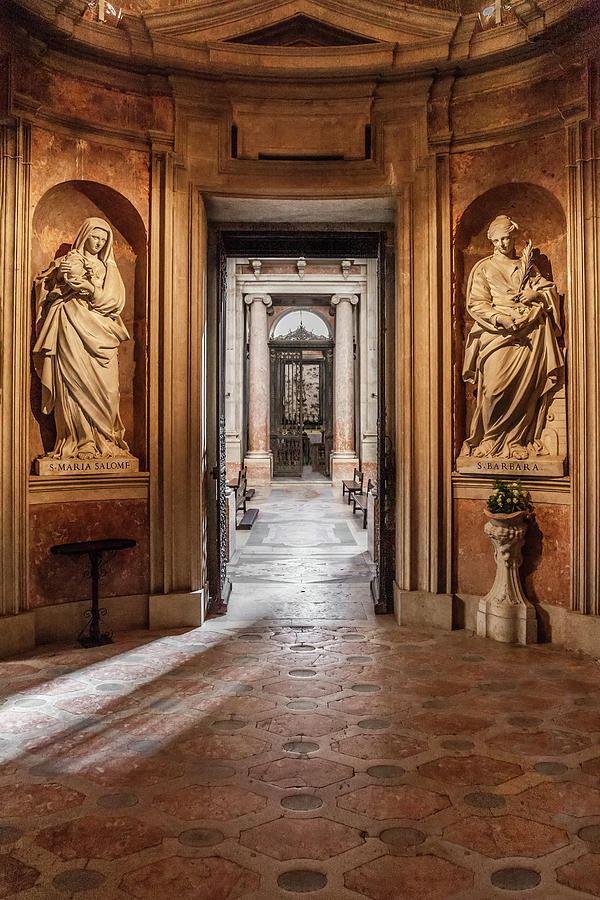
80 297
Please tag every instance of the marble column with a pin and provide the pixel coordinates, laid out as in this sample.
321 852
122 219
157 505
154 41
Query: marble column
258 459
343 458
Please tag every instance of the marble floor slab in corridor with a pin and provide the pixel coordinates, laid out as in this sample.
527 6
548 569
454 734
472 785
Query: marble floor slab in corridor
304 558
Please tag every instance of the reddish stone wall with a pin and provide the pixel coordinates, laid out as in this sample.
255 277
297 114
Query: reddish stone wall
60 579
546 569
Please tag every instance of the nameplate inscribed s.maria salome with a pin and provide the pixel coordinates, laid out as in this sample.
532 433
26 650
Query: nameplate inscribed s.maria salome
541 466
109 466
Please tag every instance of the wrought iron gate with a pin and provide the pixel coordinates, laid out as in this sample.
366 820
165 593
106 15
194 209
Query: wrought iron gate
287 414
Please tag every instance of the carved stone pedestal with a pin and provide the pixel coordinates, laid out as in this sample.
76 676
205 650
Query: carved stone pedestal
505 614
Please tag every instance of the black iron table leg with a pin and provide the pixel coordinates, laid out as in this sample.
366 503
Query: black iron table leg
94 550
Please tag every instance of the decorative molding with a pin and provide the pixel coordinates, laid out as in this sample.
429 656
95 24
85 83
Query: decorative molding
75 489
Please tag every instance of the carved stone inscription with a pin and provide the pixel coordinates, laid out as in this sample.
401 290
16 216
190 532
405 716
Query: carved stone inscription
46 466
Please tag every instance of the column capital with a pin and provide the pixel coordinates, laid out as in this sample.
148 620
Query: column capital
249 299
339 298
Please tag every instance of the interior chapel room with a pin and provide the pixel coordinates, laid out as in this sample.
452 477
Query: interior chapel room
300 449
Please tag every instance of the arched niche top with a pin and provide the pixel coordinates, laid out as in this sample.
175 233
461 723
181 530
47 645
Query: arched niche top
539 215
301 324
113 206
537 211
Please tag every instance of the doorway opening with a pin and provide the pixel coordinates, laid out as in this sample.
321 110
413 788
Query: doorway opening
300 386
301 395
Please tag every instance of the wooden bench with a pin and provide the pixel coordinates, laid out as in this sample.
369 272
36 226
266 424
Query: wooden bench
242 496
361 500
248 519
353 487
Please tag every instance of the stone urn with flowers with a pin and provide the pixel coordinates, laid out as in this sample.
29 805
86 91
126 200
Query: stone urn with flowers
505 614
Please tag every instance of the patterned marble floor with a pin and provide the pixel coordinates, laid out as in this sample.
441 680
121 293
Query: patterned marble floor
271 758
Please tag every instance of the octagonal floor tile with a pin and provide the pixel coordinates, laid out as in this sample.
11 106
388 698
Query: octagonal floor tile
293 772
475 770
563 797
312 724
586 720
540 743
97 837
32 799
500 836
214 746
454 723
417 878
380 746
302 687
366 706
220 802
582 874
186 878
301 838
15 876
402 801
134 771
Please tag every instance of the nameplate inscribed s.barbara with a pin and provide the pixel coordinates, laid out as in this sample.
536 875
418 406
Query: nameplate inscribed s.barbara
541 466
110 466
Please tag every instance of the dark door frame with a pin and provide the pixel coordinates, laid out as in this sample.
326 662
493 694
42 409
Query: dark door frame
273 240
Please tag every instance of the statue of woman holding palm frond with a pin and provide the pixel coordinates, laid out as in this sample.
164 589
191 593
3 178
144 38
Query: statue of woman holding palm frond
511 354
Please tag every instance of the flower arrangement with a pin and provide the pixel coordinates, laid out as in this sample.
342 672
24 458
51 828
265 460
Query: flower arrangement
508 497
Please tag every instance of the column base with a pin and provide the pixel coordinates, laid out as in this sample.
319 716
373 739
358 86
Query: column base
342 467
507 624
259 467
418 608
185 610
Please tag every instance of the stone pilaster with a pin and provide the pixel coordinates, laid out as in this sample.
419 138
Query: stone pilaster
14 327
343 458
583 147
259 460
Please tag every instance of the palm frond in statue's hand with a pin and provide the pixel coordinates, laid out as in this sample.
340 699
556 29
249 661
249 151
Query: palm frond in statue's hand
525 264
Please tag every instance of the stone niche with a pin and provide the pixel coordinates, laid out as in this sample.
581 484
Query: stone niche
56 220
541 218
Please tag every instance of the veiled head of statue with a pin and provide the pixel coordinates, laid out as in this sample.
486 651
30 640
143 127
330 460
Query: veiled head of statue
500 227
94 235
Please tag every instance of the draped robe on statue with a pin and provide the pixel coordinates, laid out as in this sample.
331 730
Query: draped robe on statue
76 352
515 373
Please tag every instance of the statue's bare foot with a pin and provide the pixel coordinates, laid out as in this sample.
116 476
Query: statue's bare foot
518 452
85 455
484 449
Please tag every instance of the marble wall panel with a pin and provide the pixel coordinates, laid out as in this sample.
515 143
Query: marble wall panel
546 568
61 579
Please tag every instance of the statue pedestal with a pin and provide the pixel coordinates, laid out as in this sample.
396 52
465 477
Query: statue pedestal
113 465
505 614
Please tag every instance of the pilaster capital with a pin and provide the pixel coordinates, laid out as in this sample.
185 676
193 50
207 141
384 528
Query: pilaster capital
249 299
340 298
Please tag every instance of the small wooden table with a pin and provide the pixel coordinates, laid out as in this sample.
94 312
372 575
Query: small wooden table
94 549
